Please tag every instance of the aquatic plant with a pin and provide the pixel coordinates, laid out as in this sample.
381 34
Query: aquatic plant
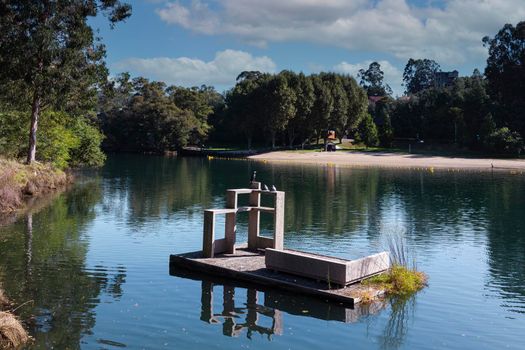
403 277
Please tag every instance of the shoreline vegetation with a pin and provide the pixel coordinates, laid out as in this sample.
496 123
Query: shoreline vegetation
21 182
12 333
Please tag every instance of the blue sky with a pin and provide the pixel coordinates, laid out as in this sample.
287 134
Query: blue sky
198 42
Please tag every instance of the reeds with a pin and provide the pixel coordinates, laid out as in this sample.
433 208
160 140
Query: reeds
403 277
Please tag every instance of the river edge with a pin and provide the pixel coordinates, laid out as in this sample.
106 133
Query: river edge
390 160
22 184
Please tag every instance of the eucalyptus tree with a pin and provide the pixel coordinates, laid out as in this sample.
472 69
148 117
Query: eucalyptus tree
298 125
244 105
419 74
357 103
339 116
281 103
322 107
49 48
505 73
372 80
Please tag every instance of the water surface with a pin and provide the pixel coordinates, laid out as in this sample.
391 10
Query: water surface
93 265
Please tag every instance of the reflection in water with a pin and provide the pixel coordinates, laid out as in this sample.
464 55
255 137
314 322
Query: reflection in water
236 319
48 269
401 309
146 208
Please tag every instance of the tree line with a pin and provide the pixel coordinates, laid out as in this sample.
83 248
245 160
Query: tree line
54 88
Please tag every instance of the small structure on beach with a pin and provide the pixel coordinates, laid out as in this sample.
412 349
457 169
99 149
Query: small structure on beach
265 261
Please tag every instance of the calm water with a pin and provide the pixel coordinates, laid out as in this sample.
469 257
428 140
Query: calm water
93 265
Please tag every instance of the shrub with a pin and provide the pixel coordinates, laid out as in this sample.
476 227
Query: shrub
400 280
367 131
505 141
62 140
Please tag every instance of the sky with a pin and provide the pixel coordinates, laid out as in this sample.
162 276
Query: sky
210 42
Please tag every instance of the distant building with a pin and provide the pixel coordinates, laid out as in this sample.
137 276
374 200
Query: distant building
445 79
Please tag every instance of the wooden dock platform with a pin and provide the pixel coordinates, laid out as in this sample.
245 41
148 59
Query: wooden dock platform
249 266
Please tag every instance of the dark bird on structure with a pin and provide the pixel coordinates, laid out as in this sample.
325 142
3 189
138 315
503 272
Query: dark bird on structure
253 176
274 189
265 188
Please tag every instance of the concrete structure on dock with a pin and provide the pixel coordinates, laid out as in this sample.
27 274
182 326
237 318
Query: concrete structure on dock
212 246
264 261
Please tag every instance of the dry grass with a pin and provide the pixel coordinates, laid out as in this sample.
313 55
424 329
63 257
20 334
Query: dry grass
4 302
19 180
12 334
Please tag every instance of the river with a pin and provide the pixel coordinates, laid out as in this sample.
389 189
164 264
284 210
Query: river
93 266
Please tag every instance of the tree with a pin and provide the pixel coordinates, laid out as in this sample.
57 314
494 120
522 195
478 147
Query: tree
372 80
505 73
339 116
368 131
357 104
280 103
322 107
419 75
49 48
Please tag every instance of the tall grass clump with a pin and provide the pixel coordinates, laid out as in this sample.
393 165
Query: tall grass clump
12 334
403 278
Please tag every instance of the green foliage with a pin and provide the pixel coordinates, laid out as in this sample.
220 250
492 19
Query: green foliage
399 281
372 80
49 52
66 141
503 140
57 141
505 73
13 134
87 151
367 132
419 75
144 116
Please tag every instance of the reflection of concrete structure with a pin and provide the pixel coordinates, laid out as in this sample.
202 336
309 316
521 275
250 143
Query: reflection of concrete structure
250 316
231 314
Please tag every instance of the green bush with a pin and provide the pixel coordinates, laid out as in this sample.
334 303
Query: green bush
503 140
62 140
88 151
367 132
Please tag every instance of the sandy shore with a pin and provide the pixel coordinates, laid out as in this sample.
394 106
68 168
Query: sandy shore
390 160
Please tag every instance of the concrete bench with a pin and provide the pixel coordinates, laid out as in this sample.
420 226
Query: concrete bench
325 268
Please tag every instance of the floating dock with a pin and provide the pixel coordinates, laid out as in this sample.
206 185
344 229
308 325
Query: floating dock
264 261
249 266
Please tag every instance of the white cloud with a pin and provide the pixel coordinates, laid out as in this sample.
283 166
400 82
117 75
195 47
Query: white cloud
222 70
393 76
450 34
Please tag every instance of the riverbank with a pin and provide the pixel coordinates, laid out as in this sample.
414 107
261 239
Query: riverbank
19 182
390 160
12 334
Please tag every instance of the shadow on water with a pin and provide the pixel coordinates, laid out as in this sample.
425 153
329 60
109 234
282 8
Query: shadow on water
248 316
46 271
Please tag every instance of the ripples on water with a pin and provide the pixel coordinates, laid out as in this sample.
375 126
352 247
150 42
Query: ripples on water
95 262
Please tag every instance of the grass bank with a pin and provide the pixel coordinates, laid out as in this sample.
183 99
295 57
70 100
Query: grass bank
20 181
12 333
